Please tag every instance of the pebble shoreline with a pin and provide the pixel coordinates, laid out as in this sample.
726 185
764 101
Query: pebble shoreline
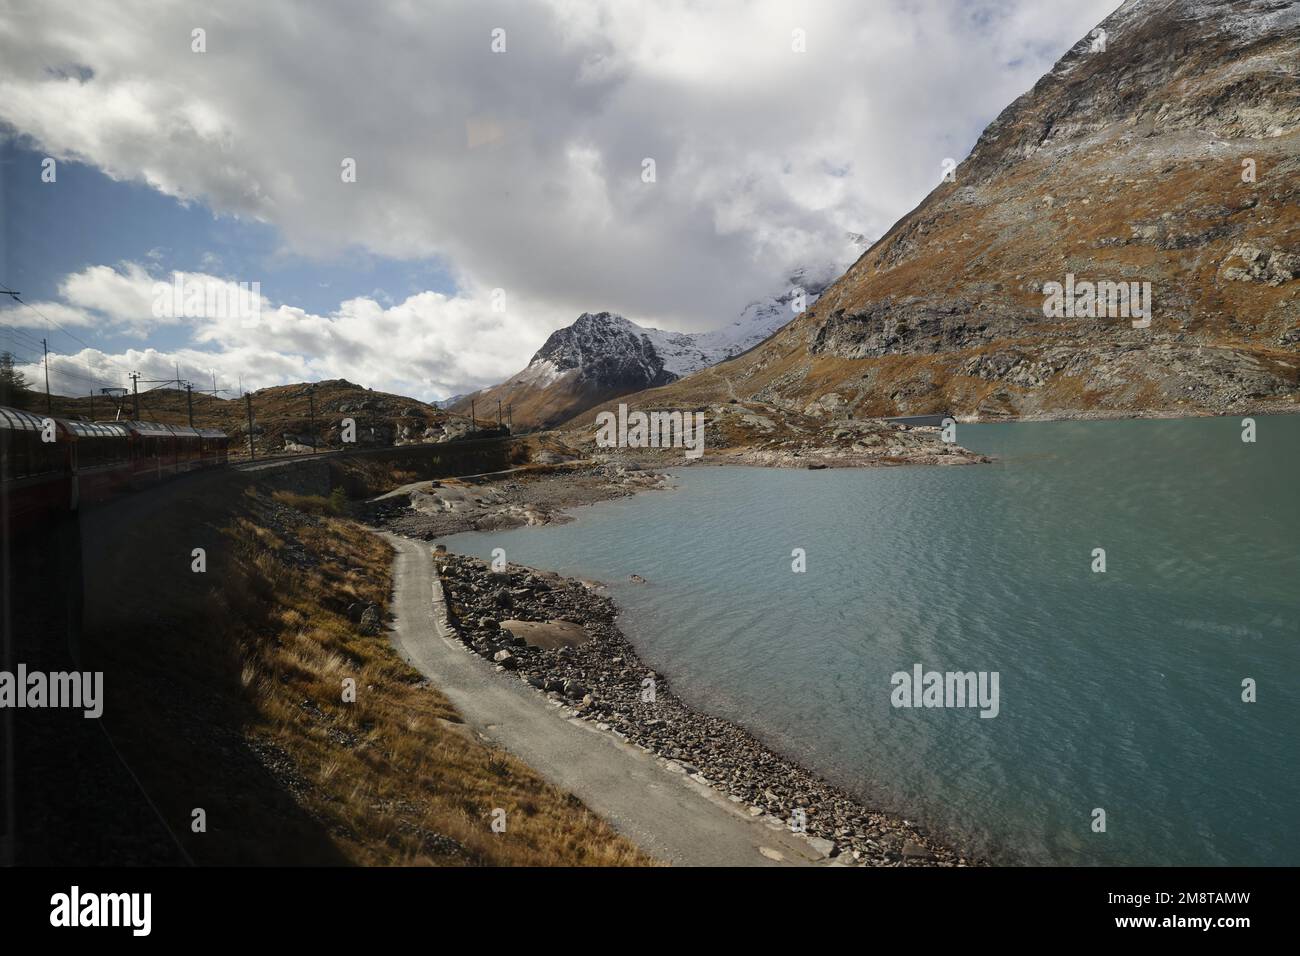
604 681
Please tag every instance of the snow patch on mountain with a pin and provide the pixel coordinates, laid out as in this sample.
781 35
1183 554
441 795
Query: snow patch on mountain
540 373
658 356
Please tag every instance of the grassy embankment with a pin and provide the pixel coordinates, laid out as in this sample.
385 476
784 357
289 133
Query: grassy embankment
226 692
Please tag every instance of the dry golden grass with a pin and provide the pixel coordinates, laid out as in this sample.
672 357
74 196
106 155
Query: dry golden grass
245 714
392 767
311 504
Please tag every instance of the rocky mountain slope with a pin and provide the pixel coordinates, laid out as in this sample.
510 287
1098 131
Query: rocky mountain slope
603 356
1164 148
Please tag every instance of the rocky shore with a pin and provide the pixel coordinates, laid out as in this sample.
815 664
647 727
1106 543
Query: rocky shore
559 635
1253 408
820 435
432 509
573 471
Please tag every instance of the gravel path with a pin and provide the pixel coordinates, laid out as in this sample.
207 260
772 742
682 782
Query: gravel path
668 814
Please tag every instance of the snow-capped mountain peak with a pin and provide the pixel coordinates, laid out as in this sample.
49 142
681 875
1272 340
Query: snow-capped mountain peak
603 354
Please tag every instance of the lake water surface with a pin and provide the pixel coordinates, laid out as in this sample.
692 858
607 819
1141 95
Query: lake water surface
1119 690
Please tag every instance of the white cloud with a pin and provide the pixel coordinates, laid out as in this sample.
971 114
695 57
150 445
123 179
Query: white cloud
123 301
522 170
742 127
430 345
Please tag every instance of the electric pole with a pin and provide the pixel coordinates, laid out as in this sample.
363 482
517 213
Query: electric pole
135 395
189 398
46 349
311 403
92 404
252 452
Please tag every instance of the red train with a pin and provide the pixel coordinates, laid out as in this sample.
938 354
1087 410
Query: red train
52 466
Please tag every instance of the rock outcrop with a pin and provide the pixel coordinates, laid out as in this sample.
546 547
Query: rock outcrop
603 356
1163 148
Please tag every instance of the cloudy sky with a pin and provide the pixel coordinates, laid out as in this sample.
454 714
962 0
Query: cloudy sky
500 168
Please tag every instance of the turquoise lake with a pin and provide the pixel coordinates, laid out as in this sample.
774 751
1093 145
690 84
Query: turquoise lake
1119 690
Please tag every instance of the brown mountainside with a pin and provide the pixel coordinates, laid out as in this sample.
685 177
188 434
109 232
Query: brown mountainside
1127 164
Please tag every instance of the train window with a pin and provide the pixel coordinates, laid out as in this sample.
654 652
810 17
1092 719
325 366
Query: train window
16 459
36 454
40 454
23 439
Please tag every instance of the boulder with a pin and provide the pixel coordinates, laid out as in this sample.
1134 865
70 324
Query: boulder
914 851
822 846
548 635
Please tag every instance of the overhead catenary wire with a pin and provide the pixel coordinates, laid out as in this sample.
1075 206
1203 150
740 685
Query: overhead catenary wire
29 341
16 296
95 378
92 377
18 357
19 335
32 343
62 363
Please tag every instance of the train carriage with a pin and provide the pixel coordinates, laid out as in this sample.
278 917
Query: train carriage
100 458
214 447
35 473
51 466
153 452
188 448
